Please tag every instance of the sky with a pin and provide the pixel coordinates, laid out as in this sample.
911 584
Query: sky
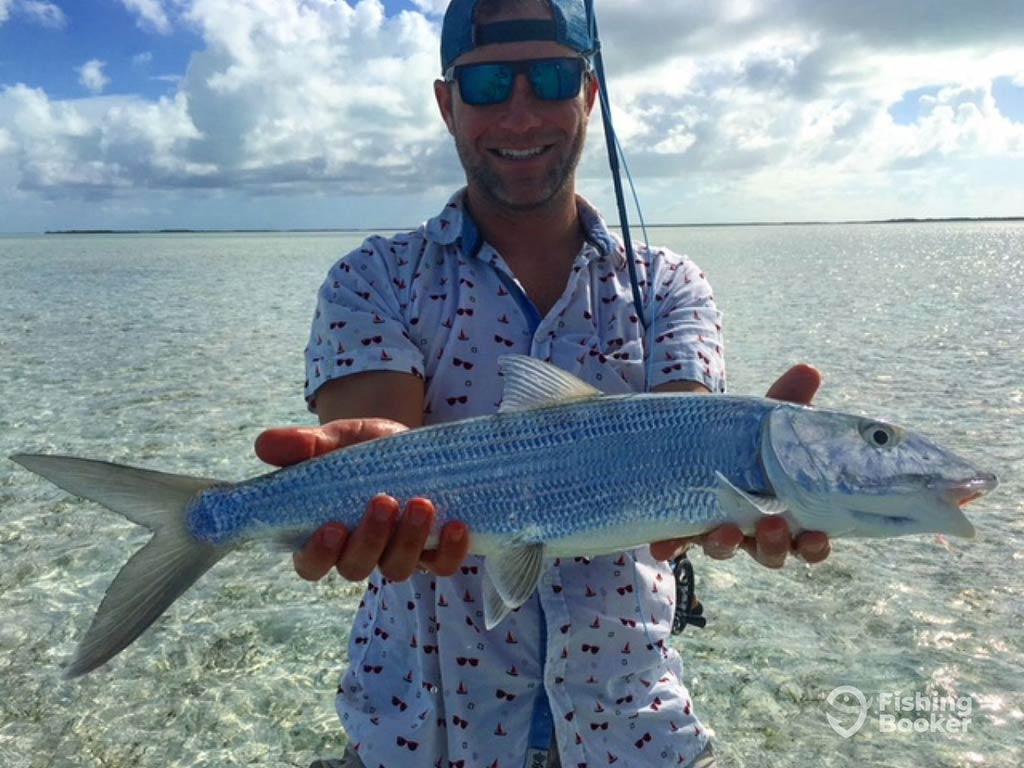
243 114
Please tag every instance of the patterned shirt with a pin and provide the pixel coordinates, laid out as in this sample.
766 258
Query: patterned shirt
585 661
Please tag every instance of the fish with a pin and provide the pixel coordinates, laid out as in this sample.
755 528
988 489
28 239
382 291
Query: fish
560 470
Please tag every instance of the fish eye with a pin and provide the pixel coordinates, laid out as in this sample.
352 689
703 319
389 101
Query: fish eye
879 435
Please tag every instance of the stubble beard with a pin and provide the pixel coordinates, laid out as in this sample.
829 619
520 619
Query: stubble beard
557 183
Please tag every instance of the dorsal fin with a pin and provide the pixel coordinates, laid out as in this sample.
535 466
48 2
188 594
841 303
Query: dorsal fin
531 383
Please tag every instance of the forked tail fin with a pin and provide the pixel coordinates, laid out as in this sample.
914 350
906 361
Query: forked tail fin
156 575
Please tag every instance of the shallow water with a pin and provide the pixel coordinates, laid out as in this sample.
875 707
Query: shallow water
174 351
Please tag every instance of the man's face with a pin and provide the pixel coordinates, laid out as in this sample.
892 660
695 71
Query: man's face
519 155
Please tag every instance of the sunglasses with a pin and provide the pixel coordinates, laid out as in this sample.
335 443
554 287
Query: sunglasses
491 82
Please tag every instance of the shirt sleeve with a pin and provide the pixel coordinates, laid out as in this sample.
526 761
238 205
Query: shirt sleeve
686 337
359 322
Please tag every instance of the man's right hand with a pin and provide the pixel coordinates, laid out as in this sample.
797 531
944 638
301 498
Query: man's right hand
385 537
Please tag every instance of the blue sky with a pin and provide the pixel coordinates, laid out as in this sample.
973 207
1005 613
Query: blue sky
319 113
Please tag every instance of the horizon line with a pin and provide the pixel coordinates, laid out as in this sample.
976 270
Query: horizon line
615 225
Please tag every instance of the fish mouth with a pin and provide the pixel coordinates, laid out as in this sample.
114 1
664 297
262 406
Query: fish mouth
949 496
964 492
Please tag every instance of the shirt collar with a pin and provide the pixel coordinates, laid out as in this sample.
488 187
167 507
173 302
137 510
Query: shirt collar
455 223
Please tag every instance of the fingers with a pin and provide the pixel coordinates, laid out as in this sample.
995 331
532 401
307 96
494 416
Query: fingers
402 556
368 541
722 543
797 385
451 551
770 545
813 546
285 446
321 553
672 548
719 544
772 542
384 539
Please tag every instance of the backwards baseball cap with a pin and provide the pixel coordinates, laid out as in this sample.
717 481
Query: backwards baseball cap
460 34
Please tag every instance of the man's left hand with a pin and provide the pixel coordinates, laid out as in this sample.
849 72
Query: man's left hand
773 541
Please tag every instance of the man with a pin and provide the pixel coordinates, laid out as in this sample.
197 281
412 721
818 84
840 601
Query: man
409 330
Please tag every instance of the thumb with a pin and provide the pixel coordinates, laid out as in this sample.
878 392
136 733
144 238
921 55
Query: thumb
284 446
797 385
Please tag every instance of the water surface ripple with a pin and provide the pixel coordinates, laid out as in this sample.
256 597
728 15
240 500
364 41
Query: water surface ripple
173 351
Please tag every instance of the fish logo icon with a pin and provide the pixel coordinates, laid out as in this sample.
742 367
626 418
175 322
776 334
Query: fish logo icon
848 700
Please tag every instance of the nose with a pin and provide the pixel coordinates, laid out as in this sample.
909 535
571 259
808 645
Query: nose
520 113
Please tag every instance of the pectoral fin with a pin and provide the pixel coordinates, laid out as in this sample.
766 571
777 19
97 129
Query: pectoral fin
745 509
510 578
495 609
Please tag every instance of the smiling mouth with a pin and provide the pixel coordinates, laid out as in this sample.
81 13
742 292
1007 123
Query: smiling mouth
521 154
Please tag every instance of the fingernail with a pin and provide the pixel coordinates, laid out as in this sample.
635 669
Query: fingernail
456 533
773 561
720 553
382 510
815 547
417 513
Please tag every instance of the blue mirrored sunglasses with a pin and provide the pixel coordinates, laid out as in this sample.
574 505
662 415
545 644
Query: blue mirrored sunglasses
491 82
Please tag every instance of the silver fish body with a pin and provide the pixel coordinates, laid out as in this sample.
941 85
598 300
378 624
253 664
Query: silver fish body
554 474
559 471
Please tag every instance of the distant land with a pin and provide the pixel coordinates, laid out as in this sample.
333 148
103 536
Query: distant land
398 229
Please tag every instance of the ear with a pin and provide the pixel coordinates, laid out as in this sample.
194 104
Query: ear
444 98
590 87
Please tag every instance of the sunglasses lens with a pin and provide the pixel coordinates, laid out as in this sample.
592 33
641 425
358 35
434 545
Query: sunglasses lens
482 84
492 83
556 79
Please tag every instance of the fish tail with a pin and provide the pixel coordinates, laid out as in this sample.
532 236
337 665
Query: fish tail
156 575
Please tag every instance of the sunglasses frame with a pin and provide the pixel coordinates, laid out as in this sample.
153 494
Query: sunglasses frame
518 67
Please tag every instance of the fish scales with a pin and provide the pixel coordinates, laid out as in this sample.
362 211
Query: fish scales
601 463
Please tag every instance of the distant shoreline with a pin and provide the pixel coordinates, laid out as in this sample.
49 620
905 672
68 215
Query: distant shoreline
956 219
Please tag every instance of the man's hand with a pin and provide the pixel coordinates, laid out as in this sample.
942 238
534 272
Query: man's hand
772 542
385 538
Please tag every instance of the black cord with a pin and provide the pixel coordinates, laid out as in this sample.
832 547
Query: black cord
688 608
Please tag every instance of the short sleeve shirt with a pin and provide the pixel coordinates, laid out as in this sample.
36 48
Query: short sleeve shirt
426 682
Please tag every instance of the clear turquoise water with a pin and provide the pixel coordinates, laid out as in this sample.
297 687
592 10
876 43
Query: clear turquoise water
174 351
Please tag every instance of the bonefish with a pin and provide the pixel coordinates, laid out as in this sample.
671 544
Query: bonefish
559 471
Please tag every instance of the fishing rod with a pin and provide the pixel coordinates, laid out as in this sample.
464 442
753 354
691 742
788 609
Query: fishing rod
688 608
614 153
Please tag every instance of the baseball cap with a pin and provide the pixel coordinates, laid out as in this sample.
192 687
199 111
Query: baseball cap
460 34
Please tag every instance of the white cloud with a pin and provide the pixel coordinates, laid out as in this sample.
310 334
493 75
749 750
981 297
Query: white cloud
303 96
316 91
36 11
287 94
143 59
99 145
91 76
432 7
45 14
151 15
